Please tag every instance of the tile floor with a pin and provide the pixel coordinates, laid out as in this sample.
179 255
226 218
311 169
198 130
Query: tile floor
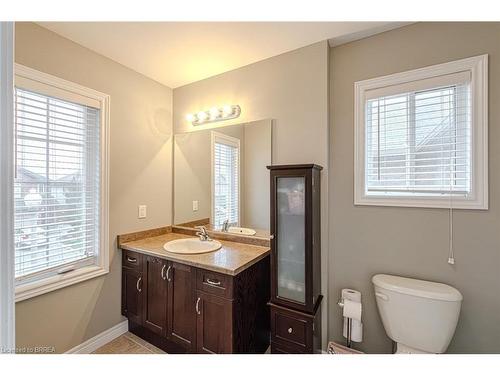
128 343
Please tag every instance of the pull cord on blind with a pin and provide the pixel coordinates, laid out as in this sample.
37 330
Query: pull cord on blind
419 142
56 189
226 181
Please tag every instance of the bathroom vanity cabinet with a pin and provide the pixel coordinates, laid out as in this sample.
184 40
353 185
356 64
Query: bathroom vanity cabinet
186 309
295 258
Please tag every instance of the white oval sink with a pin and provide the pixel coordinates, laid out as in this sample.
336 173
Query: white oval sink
191 246
240 230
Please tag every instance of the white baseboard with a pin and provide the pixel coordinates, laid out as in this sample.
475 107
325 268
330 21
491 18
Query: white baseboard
101 339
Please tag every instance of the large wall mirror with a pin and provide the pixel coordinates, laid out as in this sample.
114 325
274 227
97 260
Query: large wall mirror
221 180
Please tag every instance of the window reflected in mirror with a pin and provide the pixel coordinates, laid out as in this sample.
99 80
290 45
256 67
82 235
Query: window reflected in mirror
221 180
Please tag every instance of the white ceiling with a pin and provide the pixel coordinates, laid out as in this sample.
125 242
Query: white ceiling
178 53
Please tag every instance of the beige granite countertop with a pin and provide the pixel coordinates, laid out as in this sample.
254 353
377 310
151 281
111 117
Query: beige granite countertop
231 259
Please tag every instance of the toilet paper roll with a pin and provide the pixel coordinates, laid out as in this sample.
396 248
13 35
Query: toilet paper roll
351 295
352 310
356 330
352 298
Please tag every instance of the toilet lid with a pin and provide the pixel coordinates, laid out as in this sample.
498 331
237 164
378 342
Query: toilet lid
415 287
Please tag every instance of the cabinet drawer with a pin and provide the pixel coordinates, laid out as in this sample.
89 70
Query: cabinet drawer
291 329
214 283
132 260
277 348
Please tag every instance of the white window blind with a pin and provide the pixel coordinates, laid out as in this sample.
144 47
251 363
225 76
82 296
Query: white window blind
57 184
421 137
226 154
418 143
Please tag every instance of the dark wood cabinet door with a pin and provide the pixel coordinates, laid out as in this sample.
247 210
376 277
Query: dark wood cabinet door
155 293
132 295
214 324
295 245
181 327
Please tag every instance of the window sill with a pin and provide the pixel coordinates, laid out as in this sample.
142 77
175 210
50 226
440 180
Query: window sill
422 202
49 284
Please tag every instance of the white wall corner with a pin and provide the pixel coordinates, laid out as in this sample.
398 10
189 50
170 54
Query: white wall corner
101 339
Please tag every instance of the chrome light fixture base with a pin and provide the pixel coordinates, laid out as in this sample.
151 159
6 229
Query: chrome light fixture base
215 114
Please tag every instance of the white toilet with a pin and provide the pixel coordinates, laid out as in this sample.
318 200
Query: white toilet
420 316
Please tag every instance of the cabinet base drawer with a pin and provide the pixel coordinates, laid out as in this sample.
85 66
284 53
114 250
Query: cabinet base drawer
278 348
290 328
295 331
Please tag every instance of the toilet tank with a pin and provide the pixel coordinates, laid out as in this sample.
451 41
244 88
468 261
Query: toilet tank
417 313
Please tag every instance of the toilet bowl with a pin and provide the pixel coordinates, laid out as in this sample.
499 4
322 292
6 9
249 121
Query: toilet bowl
420 316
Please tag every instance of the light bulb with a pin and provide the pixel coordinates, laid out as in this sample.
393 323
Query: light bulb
227 110
214 113
190 117
202 116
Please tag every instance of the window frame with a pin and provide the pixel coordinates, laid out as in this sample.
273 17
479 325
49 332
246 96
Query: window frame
214 135
50 281
477 67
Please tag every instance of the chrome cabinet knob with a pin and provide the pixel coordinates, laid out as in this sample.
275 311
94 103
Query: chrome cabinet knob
290 330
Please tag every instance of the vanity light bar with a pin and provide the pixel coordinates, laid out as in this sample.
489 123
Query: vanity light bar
214 114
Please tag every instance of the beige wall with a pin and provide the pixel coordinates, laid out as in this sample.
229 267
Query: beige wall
412 241
291 89
191 176
258 154
140 173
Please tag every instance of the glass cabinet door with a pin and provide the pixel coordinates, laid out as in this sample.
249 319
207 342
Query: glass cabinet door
290 221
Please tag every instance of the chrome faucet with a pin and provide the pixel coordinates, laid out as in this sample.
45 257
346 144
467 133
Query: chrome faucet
225 225
203 234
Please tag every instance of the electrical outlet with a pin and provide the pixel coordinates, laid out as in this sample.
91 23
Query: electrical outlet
195 205
142 211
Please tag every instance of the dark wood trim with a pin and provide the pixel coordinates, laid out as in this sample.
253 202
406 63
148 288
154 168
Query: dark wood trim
295 166
315 310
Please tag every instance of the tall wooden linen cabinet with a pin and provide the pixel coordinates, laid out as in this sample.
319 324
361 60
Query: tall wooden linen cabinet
295 259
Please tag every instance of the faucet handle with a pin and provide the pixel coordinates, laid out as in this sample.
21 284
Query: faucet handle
202 233
202 229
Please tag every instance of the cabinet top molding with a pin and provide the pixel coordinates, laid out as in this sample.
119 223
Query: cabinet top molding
295 166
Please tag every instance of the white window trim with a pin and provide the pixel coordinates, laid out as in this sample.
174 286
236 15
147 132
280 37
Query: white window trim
478 68
7 305
54 282
214 135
